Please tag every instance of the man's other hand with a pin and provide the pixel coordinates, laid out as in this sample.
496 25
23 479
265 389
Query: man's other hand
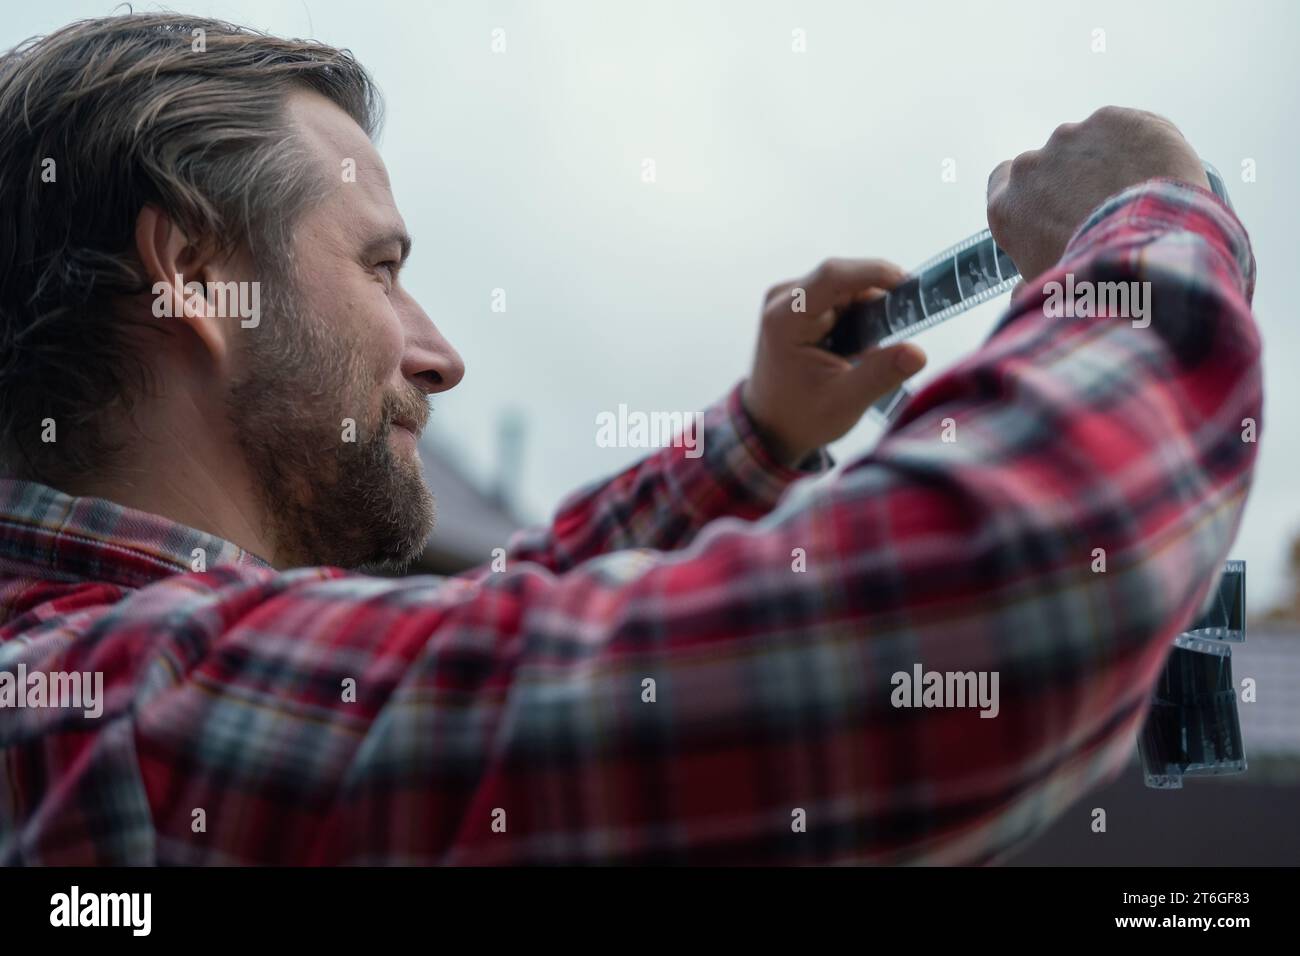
802 397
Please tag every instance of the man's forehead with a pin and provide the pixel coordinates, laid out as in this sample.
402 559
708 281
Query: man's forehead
352 170
333 137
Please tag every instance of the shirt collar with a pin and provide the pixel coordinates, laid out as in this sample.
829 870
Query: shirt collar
55 536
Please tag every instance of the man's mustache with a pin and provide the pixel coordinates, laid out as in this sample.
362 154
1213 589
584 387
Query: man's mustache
410 410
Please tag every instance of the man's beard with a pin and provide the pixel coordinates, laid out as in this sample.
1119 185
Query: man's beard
327 501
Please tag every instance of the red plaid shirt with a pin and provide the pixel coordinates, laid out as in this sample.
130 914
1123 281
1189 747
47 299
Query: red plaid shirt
320 716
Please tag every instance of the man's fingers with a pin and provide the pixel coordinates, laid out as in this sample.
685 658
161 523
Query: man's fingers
794 309
836 281
825 321
779 291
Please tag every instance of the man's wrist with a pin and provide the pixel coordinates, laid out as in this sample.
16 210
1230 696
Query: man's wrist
780 451
773 452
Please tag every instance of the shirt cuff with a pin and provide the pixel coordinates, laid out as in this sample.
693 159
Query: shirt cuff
740 462
1165 205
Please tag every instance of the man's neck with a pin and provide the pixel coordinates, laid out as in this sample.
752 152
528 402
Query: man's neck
185 472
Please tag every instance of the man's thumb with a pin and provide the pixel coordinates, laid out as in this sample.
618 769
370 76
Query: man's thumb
881 370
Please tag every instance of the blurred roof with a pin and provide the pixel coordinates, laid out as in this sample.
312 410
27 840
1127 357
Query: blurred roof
471 521
1270 725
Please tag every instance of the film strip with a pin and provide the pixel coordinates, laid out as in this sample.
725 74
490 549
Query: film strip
956 280
1193 727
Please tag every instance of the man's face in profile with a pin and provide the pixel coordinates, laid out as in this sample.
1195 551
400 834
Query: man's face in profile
323 398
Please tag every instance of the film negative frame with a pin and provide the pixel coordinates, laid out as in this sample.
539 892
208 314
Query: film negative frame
1224 616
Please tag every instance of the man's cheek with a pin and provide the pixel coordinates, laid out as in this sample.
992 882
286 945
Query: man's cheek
385 346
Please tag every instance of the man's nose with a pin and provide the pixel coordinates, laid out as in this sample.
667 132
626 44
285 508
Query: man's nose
431 362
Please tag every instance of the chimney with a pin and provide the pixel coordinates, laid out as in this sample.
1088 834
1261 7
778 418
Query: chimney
510 459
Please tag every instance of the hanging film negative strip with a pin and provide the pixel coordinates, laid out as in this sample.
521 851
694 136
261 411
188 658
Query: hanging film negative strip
956 280
1194 727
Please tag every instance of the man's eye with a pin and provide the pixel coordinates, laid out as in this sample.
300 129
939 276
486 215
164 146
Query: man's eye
390 269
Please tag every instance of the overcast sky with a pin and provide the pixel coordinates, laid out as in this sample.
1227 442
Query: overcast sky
522 171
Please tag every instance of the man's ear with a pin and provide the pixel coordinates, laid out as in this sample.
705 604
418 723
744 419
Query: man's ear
171 263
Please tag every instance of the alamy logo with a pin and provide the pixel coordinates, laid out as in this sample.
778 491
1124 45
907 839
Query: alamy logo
103 909
923 688
78 690
631 429
1089 300
230 300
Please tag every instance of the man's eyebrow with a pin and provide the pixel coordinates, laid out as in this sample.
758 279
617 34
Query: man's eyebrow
398 236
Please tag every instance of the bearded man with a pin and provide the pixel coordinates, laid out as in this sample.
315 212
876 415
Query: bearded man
689 664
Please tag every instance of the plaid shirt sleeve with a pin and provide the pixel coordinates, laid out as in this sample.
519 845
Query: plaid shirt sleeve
725 692
664 501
